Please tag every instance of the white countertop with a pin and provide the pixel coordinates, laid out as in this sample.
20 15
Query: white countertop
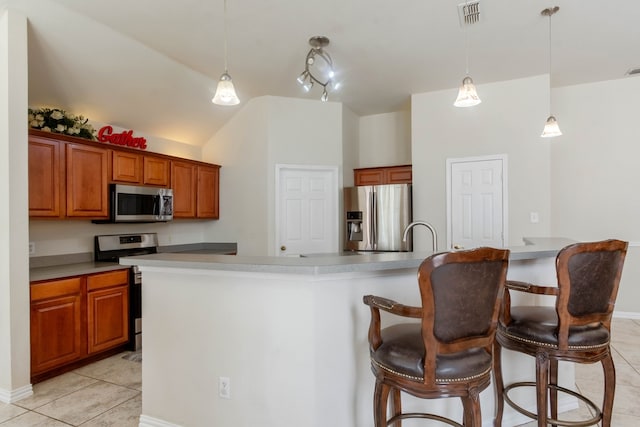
533 248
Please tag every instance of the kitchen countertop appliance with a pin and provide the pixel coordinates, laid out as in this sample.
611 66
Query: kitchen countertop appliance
376 218
111 248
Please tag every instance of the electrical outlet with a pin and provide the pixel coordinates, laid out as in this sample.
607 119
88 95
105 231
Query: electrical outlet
32 248
534 218
224 387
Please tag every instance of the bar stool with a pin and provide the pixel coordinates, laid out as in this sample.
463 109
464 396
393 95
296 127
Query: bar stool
577 329
447 353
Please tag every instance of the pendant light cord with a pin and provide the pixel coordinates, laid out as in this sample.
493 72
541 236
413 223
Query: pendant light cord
550 102
466 35
225 37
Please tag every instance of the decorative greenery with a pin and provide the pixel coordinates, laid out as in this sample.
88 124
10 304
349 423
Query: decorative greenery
58 121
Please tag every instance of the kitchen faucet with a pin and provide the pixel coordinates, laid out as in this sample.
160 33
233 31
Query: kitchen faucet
434 235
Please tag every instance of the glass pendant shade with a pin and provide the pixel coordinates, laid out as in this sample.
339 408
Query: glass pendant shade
467 95
551 128
225 92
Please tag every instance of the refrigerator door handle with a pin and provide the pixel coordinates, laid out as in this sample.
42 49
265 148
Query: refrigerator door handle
374 221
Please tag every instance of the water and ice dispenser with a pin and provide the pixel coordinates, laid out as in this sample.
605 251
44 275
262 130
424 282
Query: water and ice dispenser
354 226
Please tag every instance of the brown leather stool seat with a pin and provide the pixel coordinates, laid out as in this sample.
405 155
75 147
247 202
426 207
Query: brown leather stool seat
448 353
576 329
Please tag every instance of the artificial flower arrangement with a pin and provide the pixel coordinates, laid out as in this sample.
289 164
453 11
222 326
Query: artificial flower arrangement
58 121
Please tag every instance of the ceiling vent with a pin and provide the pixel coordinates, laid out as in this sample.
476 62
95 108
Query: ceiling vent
469 13
633 72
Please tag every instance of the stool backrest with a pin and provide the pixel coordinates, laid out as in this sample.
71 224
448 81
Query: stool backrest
461 295
588 279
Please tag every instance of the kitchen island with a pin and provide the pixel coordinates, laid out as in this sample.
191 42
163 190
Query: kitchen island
290 334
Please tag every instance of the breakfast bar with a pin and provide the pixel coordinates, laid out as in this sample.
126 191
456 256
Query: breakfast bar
288 336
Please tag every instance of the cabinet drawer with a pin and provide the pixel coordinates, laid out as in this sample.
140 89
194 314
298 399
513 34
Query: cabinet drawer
56 288
106 280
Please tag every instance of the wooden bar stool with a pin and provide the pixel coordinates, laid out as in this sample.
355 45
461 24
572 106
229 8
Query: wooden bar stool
576 330
448 352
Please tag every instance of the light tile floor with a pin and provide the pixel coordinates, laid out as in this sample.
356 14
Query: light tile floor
108 392
105 393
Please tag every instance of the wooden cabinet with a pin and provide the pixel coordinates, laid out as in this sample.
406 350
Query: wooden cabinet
195 190
69 178
86 183
126 167
183 182
56 324
45 167
383 175
155 171
107 310
76 320
139 169
207 199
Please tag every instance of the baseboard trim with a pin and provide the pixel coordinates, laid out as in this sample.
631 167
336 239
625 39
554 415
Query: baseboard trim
11 396
626 315
147 421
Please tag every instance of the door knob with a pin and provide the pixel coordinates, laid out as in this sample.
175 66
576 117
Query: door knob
283 248
458 247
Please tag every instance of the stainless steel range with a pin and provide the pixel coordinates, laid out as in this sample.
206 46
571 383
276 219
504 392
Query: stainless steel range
113 246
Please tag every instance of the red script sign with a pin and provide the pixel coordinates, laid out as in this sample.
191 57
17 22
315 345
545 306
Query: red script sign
105 134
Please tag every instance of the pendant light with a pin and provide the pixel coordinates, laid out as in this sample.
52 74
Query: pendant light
467 94
551 127
225 92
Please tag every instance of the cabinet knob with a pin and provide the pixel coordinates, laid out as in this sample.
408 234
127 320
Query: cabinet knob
283 248
458 247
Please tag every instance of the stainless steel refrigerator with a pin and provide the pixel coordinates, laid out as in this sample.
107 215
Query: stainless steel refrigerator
376 217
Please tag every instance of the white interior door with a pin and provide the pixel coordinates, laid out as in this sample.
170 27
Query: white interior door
306 209
476 202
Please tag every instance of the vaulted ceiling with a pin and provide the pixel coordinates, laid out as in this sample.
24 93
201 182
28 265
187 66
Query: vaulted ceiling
152 65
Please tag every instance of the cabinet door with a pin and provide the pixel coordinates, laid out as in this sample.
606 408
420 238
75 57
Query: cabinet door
399 175
370 176
44 178
126 167
208 192
183 183
107 310
156 171
56 324
87 191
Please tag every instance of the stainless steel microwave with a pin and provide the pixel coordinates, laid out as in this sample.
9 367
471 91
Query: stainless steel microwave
135 203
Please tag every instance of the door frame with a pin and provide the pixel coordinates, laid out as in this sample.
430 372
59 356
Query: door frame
335 218
505 192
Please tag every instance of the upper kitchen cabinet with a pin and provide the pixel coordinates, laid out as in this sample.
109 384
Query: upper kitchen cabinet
184 181
87 184
155 171
45 167
134 168
195 189
207 200
383 175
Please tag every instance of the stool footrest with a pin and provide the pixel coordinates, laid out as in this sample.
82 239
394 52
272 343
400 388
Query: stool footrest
591 421
425 416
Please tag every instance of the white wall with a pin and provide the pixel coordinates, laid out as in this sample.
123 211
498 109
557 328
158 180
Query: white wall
267 131
595 173
509 121
241 148
14 267
385 139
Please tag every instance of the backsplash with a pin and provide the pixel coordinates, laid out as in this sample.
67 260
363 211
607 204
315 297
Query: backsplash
57 237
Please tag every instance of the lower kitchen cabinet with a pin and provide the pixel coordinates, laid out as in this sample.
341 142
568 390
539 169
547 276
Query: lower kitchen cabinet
76 320
107 310
56 324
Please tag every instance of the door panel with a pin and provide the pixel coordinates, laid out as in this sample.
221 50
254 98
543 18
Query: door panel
307 211
476 203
